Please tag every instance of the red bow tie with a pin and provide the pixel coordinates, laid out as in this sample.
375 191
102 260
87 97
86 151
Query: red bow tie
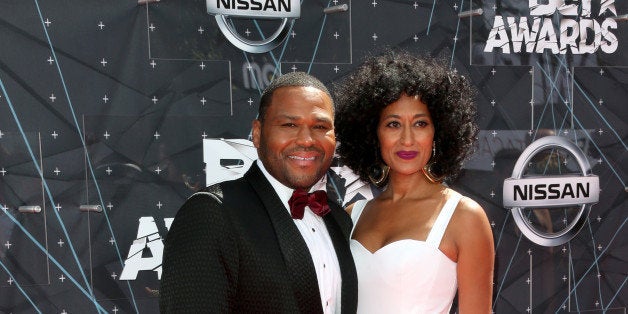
316 200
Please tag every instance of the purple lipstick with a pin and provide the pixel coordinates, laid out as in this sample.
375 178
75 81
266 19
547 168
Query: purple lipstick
407 154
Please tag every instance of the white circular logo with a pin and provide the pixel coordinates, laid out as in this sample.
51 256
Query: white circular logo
286 10
555 185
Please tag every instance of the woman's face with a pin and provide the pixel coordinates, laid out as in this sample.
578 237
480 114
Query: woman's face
406 133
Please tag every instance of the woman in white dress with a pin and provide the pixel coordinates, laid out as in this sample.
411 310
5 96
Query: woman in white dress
407 124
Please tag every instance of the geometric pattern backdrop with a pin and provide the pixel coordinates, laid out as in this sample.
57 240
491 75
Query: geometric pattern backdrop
104 106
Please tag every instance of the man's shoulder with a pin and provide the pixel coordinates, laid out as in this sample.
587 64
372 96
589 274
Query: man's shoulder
211 202
213 191
219 192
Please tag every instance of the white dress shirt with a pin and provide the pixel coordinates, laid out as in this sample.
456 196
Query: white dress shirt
316 236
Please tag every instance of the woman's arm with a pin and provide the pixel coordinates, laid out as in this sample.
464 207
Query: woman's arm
476 256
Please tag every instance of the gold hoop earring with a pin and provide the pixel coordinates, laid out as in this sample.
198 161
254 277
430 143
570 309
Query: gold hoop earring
428 172
378 174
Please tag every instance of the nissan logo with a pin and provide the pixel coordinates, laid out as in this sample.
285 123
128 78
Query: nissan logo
286 10
551 192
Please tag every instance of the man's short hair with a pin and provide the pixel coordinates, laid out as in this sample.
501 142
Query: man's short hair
288 79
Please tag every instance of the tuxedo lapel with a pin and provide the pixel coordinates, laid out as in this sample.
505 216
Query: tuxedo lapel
345 259
294 249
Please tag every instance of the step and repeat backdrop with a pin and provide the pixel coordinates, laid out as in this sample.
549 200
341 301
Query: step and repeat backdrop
112 113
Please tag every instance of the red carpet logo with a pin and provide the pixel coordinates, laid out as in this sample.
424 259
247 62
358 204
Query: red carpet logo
579 30
148 238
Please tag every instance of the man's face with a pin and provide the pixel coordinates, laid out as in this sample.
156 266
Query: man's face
296 141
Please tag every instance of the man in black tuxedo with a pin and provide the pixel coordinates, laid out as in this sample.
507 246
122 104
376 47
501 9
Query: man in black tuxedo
257 244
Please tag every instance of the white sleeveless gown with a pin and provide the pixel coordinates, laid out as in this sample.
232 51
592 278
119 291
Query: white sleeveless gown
406 276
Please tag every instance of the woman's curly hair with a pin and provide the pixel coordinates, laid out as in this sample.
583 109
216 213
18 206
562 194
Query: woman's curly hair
380 81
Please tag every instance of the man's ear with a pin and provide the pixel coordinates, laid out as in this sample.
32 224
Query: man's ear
257 129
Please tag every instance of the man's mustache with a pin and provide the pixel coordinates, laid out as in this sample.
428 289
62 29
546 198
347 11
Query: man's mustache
306 150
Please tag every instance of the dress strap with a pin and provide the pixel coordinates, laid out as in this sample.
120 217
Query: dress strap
440 225
358 207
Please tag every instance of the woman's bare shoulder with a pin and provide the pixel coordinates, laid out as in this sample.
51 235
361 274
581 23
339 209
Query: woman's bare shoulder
470 215
469 208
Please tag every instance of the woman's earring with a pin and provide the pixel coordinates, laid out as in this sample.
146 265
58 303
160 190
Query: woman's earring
428 171
378 174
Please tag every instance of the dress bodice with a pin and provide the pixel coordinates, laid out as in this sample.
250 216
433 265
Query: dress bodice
406 276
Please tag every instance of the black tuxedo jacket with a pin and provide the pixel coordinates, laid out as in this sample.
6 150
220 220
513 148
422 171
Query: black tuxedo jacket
234 248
